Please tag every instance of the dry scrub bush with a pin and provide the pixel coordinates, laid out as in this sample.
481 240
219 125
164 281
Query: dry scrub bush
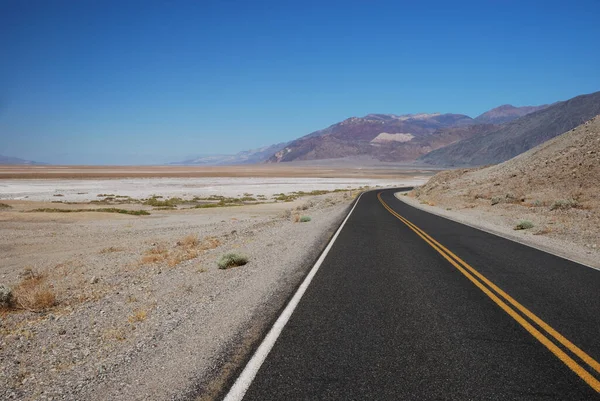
189 241
34 293
564 204
524 225
138 316
231 260
155 255
187 248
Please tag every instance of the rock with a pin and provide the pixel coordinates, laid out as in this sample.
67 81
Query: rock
94 280
5 296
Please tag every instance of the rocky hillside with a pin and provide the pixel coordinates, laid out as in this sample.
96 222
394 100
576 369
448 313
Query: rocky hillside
555 185
386 137
519 135
506 113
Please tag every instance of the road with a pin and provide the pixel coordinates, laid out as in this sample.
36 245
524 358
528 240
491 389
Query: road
411 306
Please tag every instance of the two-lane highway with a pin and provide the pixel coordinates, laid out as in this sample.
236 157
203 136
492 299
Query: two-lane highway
408 305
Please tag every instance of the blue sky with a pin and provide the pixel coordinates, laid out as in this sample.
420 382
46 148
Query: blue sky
138 82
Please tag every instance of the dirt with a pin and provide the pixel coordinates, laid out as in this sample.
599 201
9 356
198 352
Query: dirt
554 186
141 309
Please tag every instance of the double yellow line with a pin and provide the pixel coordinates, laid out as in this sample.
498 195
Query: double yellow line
502 299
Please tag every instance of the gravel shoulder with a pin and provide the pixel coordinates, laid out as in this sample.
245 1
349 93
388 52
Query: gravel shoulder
501 221
130 327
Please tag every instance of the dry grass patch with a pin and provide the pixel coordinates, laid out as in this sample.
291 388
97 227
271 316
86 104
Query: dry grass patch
114 334
138 316
189 241
34 293
187 248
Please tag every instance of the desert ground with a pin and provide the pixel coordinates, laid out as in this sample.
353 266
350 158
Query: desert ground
288 170
115 283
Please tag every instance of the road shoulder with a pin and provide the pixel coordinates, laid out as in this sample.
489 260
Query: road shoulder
493 224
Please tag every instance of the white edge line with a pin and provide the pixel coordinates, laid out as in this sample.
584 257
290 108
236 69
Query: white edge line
243 382
496 233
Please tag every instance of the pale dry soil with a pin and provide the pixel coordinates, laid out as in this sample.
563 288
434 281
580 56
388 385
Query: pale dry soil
142 310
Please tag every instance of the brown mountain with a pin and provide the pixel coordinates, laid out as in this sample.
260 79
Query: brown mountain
386 137
506 113
517 136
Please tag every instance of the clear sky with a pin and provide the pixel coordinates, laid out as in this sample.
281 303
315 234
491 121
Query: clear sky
128 82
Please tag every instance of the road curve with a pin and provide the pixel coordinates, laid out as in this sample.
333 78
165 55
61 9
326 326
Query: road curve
411 306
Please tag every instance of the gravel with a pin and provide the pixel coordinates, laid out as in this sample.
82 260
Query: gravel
123 330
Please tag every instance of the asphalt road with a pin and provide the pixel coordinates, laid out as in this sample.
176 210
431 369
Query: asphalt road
392 315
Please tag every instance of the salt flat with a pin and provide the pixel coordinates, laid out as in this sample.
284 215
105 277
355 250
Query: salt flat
85 190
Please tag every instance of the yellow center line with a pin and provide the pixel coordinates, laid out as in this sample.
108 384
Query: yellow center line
455 260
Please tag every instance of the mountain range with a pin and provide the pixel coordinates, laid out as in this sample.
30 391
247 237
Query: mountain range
517 136
383 137
444 140
16 160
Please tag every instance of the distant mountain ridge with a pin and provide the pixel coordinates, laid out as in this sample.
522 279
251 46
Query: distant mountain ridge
519 135
383 137
386 137
16 160
245 157
506 113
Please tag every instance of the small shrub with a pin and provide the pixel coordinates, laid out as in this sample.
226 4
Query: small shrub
306 205
496 200
305 219
156 202
189 241
230 260
33 293
5 206
285 198
564 204
524 225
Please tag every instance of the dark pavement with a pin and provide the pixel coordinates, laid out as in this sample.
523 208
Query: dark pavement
387 317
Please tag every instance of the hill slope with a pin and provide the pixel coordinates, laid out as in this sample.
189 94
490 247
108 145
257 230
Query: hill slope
555 185
518 136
